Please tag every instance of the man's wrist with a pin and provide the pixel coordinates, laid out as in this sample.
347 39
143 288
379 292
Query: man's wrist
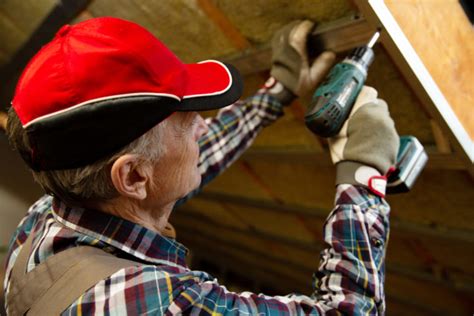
279 91
355 173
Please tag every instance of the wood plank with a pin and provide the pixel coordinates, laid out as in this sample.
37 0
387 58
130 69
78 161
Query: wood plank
407 227
442 25
304 254
305 155
442 142
338 36
418 76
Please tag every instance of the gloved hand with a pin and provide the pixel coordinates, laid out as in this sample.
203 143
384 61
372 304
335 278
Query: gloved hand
290 63
367 145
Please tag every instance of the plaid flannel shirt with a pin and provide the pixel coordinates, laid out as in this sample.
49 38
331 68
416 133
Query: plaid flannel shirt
349 279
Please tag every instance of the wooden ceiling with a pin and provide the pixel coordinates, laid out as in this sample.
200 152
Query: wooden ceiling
261 221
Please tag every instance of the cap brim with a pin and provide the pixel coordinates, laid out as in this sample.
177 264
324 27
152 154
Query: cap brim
211 85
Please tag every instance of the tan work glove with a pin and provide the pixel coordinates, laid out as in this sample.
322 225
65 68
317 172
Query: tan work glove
367 145
290 63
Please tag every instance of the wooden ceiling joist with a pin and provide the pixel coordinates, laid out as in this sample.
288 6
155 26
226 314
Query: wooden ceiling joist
437 160
189 229
281 282
194 216
338 36
320 213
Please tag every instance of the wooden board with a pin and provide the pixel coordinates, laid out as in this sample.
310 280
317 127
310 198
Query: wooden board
442 32
443 37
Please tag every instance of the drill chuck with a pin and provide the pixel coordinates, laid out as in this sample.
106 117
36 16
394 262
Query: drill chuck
361 56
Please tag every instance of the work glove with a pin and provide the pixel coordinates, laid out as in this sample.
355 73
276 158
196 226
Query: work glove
367 145
290 62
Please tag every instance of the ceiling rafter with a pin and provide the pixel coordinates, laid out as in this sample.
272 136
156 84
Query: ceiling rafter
338 36
437 160
410 272
417 229
273 278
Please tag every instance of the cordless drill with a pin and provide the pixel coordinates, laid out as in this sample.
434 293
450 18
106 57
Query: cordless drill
332 103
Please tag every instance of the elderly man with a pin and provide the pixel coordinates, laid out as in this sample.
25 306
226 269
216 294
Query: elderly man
105 116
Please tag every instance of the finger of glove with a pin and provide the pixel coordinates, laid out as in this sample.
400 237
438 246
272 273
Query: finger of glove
371 137
287 62
310 78
336 148
321 66
298 38
366 95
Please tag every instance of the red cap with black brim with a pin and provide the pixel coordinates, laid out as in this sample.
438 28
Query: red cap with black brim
102 83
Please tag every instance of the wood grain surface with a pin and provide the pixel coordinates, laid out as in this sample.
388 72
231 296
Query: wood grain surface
443 37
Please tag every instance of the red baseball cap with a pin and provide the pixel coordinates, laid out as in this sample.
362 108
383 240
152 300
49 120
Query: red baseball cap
100 84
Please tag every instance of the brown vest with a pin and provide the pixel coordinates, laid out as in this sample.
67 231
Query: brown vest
55 284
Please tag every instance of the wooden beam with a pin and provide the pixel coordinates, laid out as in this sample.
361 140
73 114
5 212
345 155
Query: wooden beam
416 229
442 142
412 67
338 36
224 24
187 214
189 229
263 272
62 13
301 154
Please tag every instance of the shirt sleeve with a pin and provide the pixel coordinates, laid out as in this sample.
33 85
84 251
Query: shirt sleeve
232 131
349 279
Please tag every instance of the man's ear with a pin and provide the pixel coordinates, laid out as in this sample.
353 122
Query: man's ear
130 175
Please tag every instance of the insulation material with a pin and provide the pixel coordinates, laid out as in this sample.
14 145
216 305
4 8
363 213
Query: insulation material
257 20
180 24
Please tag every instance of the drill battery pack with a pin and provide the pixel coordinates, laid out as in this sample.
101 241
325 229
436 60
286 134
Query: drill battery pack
411 160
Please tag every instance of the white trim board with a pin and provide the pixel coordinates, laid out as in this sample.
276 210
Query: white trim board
409 63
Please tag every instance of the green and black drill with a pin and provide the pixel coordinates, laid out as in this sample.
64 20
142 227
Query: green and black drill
333 101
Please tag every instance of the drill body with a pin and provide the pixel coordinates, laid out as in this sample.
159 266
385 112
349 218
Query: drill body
333 100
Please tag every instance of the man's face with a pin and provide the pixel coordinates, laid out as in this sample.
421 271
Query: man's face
176 172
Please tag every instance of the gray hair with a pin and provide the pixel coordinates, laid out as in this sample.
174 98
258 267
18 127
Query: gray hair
91 182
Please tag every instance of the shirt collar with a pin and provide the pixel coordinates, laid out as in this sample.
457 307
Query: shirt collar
127 236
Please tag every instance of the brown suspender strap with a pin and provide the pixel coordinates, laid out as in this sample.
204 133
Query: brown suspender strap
55 284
